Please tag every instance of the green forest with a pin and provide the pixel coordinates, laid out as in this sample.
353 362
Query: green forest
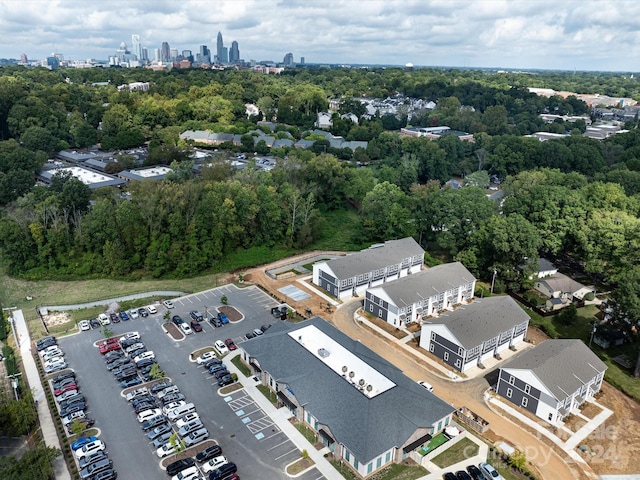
574 195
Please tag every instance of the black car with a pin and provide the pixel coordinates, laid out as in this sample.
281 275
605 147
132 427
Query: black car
223 471
146 398
145 362
118 363
63 376
209 363
250 335
177 319
172 397
215 321
221 373
130 382
265 327
462 475
128 342
449 476
62 383
142 407
109 474
176 467
208 453
72 409
475 472
159 386
226 380
114 318
46 342
95 323
93 458
113 355
143 312
71 400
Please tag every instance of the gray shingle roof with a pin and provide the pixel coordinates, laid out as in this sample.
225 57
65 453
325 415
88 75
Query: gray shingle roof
482 320
392 251
366 426
423 284
564 366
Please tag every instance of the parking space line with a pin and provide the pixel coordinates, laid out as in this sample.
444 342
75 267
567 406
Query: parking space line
273 435
285 454
276 446
187 298
257 410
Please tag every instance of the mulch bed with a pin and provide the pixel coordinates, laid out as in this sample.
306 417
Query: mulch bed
188 452
232 314
174 331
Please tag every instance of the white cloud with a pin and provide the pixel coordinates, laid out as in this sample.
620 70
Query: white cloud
581 34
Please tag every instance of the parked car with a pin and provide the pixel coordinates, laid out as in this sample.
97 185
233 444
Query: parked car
190 473
84 325
108 347
426 385
130 382
475 472
225 380
192 426
189 417
172 406
65 389
195 326
167 390
205 356
93 458
186 329
144 356
208 453
72 409
118 364
66 395
224 471
104 319
94 468
265 327
145 362
87 422
95 323
165 450
221 373
215 321
449 476
177 319
134 347
46 342
230 344
196 437
221 347
162 439
489 472
223 318
215 368
149 414
114 318
257 331
168 304
143 312
157 387
153 422
143 406
180 465
90 448
196 315
214 463
462 475
130 336
213 361
159 430
112 474
81 442
250 335
124 316
54 367
133 313
68 419
152 309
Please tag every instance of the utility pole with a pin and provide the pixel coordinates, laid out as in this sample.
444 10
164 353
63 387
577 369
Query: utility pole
493 280
14 383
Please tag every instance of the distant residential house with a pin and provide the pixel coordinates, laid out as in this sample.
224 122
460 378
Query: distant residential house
561 286
545 268
324 120
421 294
362 408
474 333
433 133
356 272
350 116
553 379
553 304
609 337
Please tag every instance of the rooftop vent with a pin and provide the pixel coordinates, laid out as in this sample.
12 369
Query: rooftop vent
344 369
323 352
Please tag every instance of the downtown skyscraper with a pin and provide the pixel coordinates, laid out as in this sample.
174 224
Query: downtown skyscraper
221 51
234 53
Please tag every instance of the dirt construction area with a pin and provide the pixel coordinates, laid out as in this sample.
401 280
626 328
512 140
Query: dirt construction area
613 448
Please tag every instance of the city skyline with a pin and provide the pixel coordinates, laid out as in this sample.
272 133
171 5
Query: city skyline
582 35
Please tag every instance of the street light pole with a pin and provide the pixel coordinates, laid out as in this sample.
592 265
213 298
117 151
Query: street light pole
493 280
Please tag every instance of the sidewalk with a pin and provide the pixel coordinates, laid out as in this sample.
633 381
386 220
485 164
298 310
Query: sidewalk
281 418
33 379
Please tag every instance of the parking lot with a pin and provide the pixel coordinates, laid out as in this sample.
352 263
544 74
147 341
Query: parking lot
247 436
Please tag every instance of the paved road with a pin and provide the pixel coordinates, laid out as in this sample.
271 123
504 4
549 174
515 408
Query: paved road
469 394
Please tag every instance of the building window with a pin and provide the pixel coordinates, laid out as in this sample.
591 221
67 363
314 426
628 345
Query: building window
446 421
355 463
431 347
347 456
379 462
387 457
380 312
433 335
371 307
460 351
512 380
509 392
370 467
550 417
458 363
525 401
527 389
446 356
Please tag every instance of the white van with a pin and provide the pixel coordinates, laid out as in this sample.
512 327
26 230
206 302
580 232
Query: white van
180 411
104 319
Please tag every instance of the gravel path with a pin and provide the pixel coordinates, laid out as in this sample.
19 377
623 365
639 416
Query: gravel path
135 296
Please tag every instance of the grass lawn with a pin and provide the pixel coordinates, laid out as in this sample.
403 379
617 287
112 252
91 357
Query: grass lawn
237 361
434 443
309 434
462 450
506 471
392 472
267 392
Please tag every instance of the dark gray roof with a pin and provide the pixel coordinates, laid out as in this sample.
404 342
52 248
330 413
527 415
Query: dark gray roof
374 257
545 265
564 366
366 426
482 320
423 284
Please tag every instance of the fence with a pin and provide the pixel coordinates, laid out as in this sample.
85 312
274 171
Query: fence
472 420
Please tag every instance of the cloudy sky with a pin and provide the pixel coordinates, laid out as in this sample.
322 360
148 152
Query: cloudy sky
567 34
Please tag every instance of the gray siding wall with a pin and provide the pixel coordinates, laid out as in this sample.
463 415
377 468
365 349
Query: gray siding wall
441 346
517 391
378 304
328 282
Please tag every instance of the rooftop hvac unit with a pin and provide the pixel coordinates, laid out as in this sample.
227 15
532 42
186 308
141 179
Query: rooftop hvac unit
323 352
369 388
344 369
361 382
352 374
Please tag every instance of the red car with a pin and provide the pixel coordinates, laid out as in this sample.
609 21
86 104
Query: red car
107 347
66 388
230 345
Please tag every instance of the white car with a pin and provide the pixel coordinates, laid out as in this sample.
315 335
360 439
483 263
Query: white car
165 450
90 448
190 473
133 313
145 355
186 329
152 309
189 417
84 325
172 389
52 348
130 336
205 357
52 354
168 304
426 385
104 319
53 361
172 406
54 367
192 426
64 395
196 437
221 347
138 392
71 417
214 463
147 414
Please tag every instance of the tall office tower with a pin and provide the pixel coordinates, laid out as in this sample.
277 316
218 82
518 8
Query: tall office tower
157 55
145 54
301 60
288 59
165 52
173 54
204 55
23 58
136 46
187 55
234 54
219 48
225 55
